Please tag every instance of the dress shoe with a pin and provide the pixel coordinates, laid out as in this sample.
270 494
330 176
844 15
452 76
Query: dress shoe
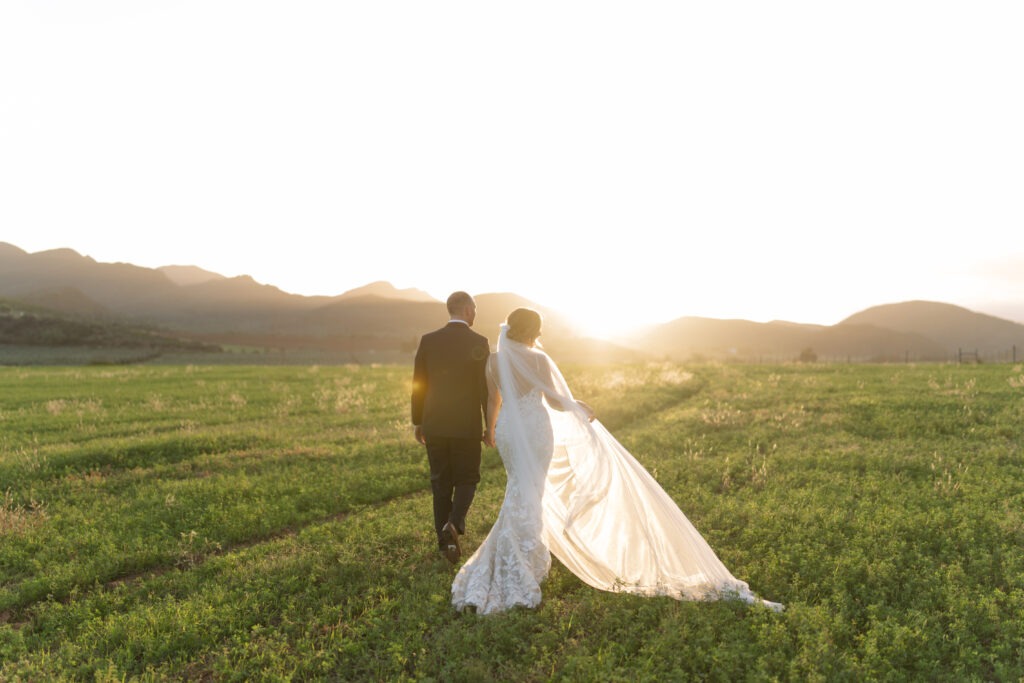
452 548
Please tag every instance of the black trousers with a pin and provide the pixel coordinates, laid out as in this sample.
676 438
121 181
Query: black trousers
454 474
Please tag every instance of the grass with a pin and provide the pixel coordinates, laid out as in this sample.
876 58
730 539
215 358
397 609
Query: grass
273 523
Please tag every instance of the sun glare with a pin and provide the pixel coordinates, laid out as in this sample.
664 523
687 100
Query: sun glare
606 325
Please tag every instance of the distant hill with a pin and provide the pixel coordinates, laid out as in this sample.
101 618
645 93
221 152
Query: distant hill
781 341
949 326
210 302
386 290
374 321
22 326
689 336
120 287
67 300
382 322
189 275
369 316
9 251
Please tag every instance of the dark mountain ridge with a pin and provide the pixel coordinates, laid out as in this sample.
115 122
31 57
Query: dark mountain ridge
951 327
912 330
777 341
386 290
189 275
119 287
195 303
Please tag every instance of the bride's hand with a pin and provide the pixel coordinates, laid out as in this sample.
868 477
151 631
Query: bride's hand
590 411
489 438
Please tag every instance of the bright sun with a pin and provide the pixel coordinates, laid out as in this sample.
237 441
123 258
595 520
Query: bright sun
601 323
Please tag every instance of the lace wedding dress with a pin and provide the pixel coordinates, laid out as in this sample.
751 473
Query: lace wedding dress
575 491
507 569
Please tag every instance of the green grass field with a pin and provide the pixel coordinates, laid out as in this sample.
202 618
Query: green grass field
273 523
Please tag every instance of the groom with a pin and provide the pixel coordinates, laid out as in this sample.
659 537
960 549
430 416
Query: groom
449 401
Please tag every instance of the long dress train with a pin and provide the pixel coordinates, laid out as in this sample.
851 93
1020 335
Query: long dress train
575 490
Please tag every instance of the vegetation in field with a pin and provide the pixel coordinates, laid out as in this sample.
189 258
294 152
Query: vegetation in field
26 326
241 523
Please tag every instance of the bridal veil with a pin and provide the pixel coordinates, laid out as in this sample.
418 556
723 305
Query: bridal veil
604 516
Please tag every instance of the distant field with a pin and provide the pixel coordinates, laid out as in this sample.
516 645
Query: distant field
273 523
23 355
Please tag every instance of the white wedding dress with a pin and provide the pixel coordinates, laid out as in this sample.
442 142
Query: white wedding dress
573 490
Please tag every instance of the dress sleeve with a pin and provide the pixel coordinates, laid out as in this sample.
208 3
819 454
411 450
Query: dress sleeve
556 398
492 371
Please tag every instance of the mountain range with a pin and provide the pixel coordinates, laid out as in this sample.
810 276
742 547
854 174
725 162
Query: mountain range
380 322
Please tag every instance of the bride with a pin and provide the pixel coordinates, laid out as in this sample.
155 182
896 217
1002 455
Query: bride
576 492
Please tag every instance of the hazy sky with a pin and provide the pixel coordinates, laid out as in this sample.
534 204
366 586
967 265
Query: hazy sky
621 161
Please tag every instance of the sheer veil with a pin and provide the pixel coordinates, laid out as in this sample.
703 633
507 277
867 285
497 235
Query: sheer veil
521 371
604 516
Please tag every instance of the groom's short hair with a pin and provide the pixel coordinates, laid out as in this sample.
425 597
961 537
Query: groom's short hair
458 301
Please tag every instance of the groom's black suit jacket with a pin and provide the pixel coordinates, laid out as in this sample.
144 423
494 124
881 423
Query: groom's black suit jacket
449 391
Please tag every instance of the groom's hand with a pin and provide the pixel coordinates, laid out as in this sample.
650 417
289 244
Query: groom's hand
419 435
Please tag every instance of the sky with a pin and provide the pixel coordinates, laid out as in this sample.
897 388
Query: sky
622 162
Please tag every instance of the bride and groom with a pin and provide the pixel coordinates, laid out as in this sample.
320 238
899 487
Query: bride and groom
573 490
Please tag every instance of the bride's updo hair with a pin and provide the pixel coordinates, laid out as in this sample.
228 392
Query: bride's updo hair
523 325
